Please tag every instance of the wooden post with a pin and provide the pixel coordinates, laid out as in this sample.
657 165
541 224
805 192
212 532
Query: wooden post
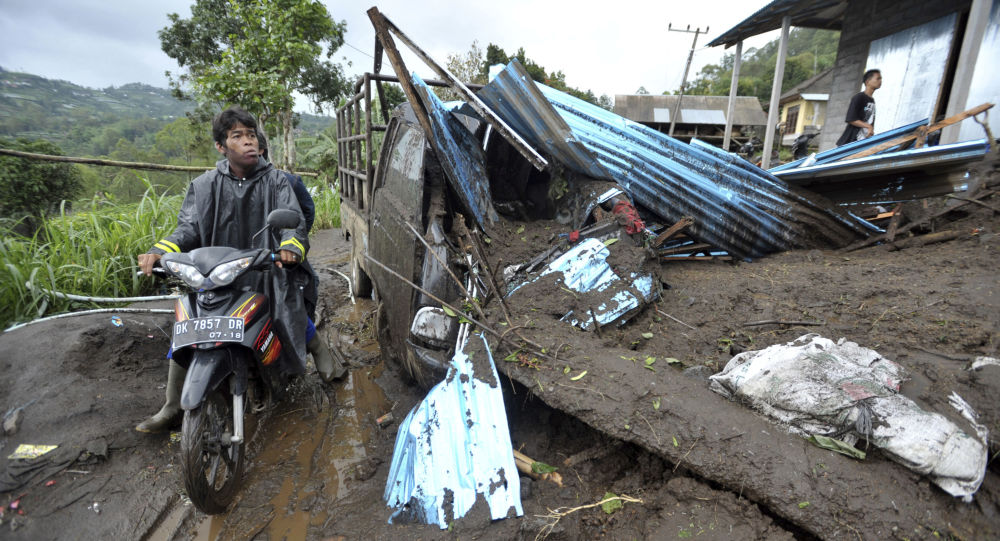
733 92
772 111
677 105
975 29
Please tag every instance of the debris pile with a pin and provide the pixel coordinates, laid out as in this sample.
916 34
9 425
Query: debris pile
524 203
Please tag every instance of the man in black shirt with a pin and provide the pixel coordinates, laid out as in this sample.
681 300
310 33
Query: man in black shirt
861 112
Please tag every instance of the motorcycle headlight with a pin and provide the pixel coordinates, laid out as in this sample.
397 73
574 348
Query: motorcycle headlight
227 272
188 273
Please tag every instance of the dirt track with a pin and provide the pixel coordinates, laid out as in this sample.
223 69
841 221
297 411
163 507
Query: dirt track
703 467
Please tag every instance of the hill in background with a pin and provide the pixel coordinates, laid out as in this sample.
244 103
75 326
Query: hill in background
90 122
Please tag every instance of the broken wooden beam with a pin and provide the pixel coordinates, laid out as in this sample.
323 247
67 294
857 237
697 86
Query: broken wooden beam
672 230
686 249
921 133
897 214
923 240
524 463
982 194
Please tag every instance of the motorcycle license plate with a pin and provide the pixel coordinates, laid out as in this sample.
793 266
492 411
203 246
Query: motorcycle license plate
207 329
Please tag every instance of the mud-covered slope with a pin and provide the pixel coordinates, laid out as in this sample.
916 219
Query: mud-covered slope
929 308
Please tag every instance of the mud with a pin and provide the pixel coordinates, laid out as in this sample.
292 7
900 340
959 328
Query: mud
702 467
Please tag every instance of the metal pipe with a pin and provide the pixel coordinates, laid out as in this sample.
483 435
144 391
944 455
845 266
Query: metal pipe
94 311
73 297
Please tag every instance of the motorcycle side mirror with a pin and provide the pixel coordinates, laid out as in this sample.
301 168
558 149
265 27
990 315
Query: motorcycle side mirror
283 219
280 219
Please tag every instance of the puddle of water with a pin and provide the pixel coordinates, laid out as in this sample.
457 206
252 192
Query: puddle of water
308 453
367 401
169 524
212 531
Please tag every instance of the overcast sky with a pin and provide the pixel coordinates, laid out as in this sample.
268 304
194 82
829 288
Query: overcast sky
608 47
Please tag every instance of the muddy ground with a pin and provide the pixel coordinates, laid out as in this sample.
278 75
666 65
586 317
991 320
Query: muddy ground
703 467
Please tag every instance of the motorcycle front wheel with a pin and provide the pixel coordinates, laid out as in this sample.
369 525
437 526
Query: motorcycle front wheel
211 464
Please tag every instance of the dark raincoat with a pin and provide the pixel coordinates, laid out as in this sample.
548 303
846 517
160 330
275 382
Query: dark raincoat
220 209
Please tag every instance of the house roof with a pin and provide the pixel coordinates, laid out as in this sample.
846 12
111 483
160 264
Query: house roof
828 14
821 83
651 108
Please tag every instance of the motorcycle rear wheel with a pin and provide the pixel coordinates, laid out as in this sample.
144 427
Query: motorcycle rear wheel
211 464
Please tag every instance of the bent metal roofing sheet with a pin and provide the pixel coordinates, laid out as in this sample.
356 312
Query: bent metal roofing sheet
736 207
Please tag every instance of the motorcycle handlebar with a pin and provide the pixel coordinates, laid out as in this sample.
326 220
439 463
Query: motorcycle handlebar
158 269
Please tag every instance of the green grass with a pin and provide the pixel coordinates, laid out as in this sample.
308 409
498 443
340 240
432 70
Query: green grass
327 201
90 251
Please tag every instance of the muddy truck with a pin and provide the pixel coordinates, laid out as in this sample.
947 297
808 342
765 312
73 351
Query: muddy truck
590 288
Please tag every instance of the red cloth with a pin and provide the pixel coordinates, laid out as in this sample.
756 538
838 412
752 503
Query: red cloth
629 217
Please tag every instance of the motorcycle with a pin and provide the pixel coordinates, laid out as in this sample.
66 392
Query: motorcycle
224 335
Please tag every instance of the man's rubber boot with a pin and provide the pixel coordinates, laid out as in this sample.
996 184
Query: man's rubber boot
330 367
170 414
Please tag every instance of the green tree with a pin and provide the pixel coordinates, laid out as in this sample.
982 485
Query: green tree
186 141
468 68
31 188
810 51
394 95
256 53
556 79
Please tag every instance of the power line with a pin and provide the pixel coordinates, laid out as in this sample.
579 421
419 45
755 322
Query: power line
359 50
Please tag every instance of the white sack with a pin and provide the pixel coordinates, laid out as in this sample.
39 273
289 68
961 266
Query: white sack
816 386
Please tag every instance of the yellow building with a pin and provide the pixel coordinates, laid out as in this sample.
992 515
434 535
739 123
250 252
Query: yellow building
803 108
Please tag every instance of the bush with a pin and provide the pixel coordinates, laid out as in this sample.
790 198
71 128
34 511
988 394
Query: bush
34 187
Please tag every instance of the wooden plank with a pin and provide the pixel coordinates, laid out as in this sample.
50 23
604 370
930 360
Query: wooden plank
923 240
890 232
687 249
396 60
880 238
672 230
459 87
930 129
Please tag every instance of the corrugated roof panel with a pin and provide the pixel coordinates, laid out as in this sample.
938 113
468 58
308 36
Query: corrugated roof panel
844 151
461 157
894 162
642 107
744 211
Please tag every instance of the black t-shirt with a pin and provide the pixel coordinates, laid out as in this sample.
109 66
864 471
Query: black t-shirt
862 107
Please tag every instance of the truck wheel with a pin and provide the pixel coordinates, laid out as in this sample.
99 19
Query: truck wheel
361 284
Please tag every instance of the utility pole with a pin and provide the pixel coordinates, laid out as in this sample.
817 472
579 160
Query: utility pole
677 106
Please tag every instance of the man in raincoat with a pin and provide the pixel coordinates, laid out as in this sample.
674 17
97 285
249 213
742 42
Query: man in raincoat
226 207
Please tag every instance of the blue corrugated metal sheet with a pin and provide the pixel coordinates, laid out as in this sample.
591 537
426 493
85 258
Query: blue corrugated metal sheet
956 154
747 212
461 157
844 151
453 448
585 268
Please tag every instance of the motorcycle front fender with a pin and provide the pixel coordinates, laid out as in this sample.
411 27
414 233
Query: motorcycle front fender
208 369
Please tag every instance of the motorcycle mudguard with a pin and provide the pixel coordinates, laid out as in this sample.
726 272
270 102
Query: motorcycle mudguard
208 369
